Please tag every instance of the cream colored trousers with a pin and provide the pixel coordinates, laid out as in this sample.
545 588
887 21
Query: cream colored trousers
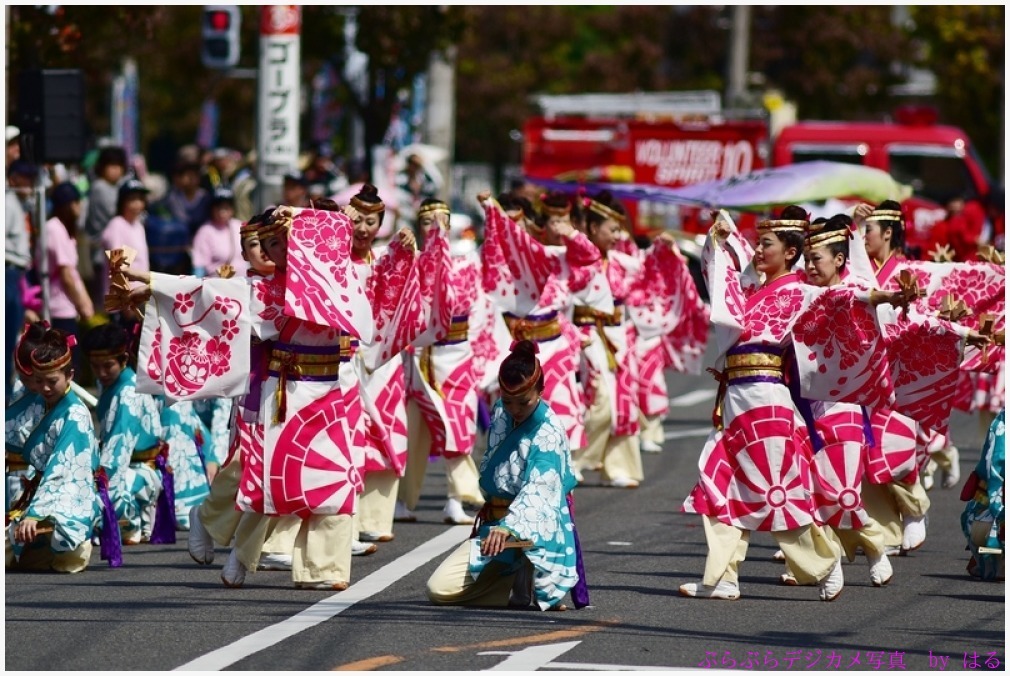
651 427
461 475
322 551
810 552
452 584
217 512
616 457
887 503
377 503
43 558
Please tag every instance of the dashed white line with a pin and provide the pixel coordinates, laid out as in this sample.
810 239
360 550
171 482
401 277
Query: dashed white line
690 432
693 397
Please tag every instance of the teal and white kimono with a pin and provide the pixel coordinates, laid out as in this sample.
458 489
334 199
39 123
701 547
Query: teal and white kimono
185 433
983 519
21 417
531 466
216 416
130 422
63 449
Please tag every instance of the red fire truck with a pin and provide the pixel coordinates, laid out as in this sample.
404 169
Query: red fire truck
676 139
666 139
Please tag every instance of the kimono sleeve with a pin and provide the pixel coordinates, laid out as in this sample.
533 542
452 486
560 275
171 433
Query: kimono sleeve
536 511
925 358
840 352
725 292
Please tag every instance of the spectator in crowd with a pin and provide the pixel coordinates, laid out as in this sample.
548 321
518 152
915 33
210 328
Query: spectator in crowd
218 241
244 185
13 145
69 301
110 171
221 170
186 200
295 192
17 257
126 229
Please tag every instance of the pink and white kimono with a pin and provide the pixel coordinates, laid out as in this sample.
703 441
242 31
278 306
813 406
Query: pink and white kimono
533 285
926 352
441 376
408 297
304 465
670 321
843 327
756 466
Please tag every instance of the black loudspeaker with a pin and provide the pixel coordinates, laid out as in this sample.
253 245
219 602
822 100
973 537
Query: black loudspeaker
51 115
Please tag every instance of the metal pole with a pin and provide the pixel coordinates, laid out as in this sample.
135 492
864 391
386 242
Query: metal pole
736 84
41 256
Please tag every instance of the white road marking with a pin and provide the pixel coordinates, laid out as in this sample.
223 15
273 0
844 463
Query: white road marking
619 544
691 432
532 658
693 397
329 607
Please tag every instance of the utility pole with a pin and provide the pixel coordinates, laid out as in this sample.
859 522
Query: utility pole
441 117
736 80
356 76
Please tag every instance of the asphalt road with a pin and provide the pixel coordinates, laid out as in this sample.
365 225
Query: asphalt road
161 611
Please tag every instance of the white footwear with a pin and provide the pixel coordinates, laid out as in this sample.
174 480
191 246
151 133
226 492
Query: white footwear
880 570
927 474
578 475
952 477
914 532
275 562
779 555
233 572
891 550
359 548
831 586
402 514
367 536
199 542
789 580
649 446
621 482
723 590
453 513
326 585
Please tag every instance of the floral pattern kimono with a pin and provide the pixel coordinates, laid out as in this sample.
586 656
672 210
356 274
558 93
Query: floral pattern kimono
530 466
409 299
441 374
22 415
186 436
986 504
670 322
926 351
129 422
215 414
535 285
63 451
293 435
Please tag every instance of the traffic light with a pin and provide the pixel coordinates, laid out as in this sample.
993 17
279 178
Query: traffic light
220 36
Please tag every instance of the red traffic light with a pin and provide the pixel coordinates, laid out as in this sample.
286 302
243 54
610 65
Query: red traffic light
219 20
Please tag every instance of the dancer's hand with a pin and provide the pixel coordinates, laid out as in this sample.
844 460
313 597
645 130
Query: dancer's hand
494 543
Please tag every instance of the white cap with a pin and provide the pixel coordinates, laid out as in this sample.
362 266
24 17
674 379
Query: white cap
12 132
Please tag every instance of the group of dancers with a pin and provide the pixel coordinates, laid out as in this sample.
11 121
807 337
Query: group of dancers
290 415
